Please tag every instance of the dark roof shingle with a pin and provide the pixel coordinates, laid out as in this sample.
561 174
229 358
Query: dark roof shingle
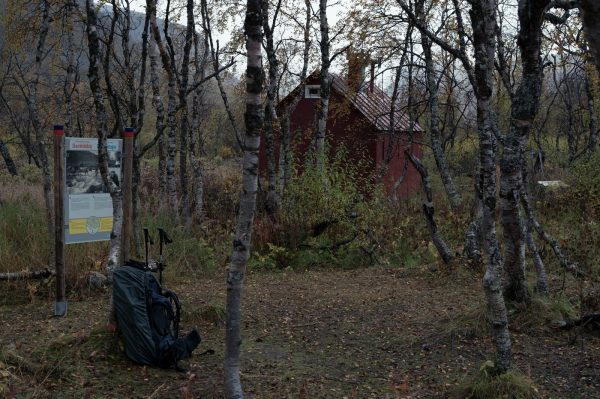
375 106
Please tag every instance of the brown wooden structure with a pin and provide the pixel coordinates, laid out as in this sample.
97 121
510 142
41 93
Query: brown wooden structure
359 122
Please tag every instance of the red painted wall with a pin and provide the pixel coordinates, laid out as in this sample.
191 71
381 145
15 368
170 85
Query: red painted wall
348 128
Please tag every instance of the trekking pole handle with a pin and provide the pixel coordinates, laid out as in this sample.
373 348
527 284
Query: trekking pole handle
163 236
147 236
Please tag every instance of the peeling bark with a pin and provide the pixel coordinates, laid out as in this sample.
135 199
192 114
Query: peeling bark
241 244
483 21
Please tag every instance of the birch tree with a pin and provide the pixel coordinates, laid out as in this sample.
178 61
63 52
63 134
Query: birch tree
483 26
168 63
323 110
31 94
102 131
434 117
272 202
525 106
241 245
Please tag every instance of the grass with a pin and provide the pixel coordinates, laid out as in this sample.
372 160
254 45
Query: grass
21 246
487 384
542 312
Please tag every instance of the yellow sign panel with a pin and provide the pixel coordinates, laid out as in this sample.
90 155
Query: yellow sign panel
90 225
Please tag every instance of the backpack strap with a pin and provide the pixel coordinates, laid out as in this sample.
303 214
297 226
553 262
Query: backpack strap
174 300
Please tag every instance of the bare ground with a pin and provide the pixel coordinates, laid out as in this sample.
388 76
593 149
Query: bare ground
376 332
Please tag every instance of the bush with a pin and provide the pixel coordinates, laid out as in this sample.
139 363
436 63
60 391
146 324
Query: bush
335 217
586 185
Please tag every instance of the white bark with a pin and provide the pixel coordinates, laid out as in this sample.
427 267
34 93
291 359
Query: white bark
243 235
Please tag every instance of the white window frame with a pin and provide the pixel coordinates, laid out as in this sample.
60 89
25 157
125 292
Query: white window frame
308 94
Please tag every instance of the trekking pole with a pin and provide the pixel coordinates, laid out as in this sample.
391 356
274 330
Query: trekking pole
147 239
162 238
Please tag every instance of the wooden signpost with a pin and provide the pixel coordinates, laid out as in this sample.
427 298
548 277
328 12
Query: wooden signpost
86 227
60 305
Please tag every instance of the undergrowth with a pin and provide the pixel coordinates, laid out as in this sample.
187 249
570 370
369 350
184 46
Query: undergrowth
488 384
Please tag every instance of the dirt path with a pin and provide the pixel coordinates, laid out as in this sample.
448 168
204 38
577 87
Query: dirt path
324 334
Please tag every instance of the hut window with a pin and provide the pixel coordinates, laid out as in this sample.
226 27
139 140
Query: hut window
312 91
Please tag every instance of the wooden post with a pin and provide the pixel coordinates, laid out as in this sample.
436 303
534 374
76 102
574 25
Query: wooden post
60 306
127 162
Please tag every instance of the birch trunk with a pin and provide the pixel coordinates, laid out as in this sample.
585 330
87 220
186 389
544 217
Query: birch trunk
590 10
139 123
525 106
429 210
70 86
591 106
272 201
434 118
285 154
533 224
325 88
159 125
171 141
215 61
194 159
542 278
40 143
184 127
483 21
243 235
195 131
10 164
473 235
102 130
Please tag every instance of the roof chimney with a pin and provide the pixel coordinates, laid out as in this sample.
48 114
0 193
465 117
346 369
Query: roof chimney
357 63
372 81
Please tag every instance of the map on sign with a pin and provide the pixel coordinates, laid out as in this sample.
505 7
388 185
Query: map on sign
88 206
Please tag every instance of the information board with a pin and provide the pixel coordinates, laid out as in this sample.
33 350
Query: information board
88 205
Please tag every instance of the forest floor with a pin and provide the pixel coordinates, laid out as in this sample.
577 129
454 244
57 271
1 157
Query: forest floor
375 332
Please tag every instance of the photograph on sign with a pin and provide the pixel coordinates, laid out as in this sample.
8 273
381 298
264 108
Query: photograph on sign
88 206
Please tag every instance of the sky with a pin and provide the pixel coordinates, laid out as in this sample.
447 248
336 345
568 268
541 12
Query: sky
335 9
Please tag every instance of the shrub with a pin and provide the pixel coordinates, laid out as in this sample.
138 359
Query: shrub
334 217
586 185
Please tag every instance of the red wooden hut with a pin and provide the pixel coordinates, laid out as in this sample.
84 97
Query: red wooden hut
359 121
